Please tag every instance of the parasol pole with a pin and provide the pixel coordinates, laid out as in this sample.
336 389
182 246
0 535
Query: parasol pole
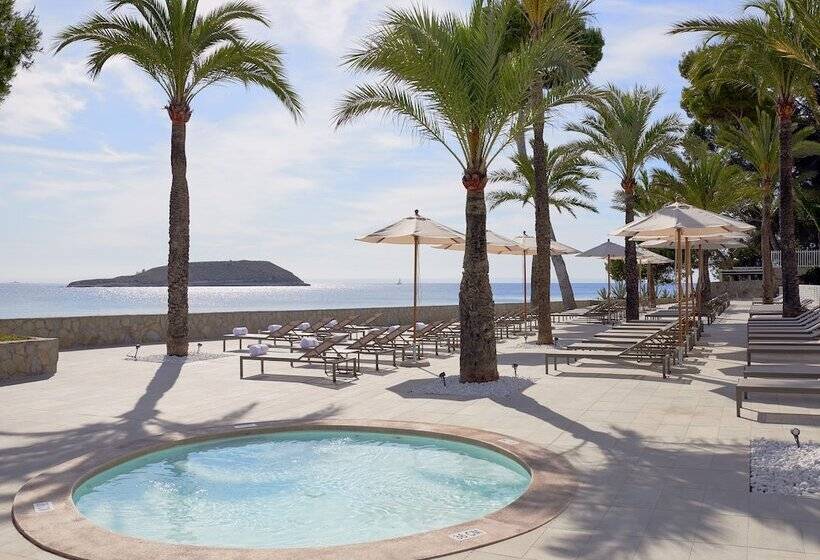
415 290
525 289
701 284
608 279
678 285
688 282
650 287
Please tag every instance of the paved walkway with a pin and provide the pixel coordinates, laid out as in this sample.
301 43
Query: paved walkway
663 463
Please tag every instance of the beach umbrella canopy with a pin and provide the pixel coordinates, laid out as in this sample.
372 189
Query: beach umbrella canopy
527 247
684 218
648 257
496 245
706 243
608 250
414 230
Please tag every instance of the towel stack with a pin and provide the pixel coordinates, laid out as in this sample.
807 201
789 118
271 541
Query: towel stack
371 331
332 324
257 350
420 326
308 343
303 326
274 328
393 328
240 331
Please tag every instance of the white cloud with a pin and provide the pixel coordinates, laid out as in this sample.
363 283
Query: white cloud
104 155
45 98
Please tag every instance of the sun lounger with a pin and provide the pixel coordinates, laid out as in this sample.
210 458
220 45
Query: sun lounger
607 355
783 371
368 344
285 332
365 325
334 361
775 386
799 349
259 338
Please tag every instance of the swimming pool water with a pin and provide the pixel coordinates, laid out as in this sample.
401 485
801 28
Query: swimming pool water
301 489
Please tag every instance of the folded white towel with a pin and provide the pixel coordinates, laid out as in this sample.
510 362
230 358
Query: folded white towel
274 328
308 342
332 324
371 331
240 331
258 349
393 328
420 326
303 326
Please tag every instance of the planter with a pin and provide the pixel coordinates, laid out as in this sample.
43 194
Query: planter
30 357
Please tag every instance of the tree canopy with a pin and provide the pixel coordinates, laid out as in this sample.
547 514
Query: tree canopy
19 42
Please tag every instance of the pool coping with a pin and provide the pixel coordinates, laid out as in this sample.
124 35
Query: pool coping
44 511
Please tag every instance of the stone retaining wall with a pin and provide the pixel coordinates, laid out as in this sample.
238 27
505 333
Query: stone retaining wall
126 330
28 358
741 289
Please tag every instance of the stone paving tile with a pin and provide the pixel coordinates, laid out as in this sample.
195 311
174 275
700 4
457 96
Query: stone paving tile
663 465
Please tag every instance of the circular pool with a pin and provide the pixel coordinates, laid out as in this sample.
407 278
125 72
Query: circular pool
322 490
301 489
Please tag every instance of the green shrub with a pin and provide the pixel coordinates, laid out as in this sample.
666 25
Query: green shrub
10 337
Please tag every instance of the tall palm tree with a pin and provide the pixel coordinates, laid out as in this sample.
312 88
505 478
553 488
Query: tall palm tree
454 82
758 143
805 47
557 21
749 47
704 179
568 170
620 131
185 52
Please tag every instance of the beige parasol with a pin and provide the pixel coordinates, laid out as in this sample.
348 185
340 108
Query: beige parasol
527 247
414 230
681 221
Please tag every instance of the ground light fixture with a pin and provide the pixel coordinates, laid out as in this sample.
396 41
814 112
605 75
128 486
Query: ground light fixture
515 370
443 378
796 433
198 347
136 351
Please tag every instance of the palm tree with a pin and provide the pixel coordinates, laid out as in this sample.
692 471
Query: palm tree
454 82
567 173
184 52
557 22
704 179
805 46
750 50
757 142
619 130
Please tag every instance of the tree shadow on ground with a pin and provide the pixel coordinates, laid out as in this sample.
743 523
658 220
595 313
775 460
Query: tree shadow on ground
40 450
633 486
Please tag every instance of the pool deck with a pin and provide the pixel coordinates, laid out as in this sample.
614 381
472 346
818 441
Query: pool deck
662 464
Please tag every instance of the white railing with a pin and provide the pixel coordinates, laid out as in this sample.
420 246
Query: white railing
805 259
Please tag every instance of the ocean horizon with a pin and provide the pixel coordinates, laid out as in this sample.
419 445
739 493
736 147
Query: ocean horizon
29 300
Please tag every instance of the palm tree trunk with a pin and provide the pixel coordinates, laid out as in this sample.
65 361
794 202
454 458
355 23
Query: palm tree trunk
178 234
633 293
765 244
543 227
650 287
567 293
561 274
475 298
788 240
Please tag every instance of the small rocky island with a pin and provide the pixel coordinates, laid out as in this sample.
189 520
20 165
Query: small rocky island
213 273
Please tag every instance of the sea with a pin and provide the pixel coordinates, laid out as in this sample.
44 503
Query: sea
55 300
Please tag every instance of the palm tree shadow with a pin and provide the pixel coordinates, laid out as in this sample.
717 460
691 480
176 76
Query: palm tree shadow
639 485
40 450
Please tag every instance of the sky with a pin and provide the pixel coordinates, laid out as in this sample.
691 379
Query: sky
84 164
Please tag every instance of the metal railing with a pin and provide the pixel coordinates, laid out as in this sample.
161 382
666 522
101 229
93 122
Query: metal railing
805 259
